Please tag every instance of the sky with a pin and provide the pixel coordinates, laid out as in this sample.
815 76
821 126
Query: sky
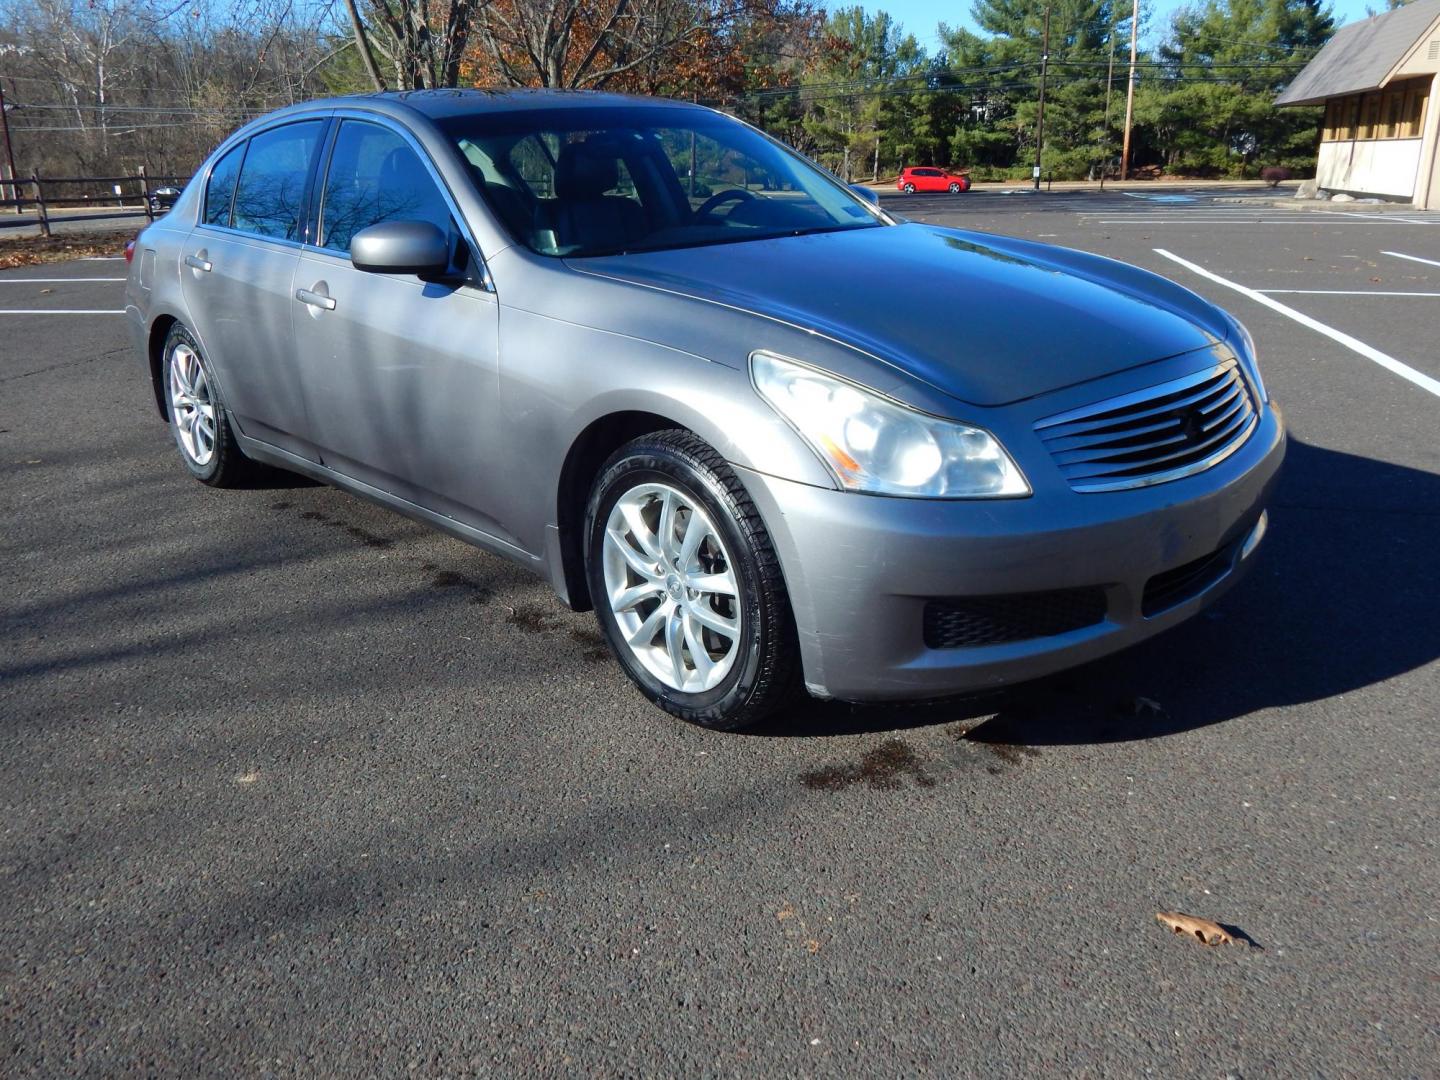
920 17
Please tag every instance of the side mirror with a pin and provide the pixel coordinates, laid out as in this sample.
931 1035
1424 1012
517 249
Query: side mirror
401 247
868 194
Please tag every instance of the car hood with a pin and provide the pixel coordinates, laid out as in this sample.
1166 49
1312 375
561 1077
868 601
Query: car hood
985 319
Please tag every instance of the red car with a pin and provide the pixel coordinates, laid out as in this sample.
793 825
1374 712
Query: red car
924 178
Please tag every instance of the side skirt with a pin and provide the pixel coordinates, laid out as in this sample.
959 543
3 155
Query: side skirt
273 455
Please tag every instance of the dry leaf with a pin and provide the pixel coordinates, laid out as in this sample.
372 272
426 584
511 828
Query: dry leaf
31 250
1211 933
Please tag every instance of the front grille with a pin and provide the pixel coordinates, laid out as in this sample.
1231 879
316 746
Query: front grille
972 621
1153 435
1175 586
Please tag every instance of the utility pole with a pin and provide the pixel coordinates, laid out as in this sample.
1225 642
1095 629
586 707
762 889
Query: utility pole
1130 94
1109 85
9 150
1040 118
1105 124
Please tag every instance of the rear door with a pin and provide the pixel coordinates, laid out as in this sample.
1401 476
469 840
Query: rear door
238 272
400 374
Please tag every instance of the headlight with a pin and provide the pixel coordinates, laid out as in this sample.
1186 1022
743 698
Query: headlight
1245 348
879 446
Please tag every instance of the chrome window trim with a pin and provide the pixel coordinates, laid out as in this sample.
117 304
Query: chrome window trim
362 116
245 134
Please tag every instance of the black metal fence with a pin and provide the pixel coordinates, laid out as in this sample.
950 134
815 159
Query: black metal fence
122 196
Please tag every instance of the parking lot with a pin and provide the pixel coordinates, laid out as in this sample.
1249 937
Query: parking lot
292 785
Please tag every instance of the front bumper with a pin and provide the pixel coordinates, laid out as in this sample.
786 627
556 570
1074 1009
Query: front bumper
860 569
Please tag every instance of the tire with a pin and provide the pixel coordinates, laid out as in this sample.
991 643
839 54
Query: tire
198 421
955 189
639 573
909 189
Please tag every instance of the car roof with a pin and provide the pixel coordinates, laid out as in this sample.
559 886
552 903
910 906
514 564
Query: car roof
438 104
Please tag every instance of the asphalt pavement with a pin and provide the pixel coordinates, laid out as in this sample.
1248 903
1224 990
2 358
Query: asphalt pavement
290 785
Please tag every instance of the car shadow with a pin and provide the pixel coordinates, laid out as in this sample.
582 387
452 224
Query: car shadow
1342 597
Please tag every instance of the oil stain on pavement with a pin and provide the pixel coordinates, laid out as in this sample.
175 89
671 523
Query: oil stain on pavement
885 768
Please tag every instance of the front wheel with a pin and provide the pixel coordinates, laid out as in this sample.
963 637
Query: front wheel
954 189
686 584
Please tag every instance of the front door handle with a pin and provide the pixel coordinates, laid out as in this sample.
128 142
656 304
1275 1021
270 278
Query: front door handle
315 299
195 262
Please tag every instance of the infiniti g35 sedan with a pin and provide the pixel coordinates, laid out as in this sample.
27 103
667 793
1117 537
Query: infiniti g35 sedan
774 436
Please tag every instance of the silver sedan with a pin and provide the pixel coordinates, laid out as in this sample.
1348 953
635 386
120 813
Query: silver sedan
777 438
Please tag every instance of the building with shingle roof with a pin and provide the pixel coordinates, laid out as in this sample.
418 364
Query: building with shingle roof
1379 80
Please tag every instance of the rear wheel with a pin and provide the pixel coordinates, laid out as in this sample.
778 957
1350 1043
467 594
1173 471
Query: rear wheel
909 189
686 585
197 415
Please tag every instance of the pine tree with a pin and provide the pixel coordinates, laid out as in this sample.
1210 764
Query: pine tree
1224 62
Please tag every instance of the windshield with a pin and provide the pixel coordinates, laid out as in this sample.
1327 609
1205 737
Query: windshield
599 181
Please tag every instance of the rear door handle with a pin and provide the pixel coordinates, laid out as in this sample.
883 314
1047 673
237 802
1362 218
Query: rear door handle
197 263
315 299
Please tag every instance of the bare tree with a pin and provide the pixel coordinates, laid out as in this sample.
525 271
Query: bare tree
588 43
421 41
103 86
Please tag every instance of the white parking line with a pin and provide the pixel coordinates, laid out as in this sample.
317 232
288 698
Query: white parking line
54 280
62 311
1389 217
1344 292
1310 220
1405 371
1412 258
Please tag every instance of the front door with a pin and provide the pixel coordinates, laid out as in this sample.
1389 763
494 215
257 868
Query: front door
238 277
399 374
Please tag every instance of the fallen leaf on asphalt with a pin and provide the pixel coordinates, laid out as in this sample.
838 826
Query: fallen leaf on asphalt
1211 933
787 912
31 250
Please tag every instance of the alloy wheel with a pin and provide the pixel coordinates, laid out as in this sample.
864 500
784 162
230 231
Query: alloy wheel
192 405
672 588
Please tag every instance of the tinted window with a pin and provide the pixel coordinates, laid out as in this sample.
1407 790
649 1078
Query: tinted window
374 176
222 187
597 180
270 198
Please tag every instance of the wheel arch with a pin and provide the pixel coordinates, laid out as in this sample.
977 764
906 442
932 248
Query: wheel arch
589 451
155 354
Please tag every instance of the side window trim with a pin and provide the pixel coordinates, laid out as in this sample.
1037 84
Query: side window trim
230 210
323 171
242 145
320 144
321 176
